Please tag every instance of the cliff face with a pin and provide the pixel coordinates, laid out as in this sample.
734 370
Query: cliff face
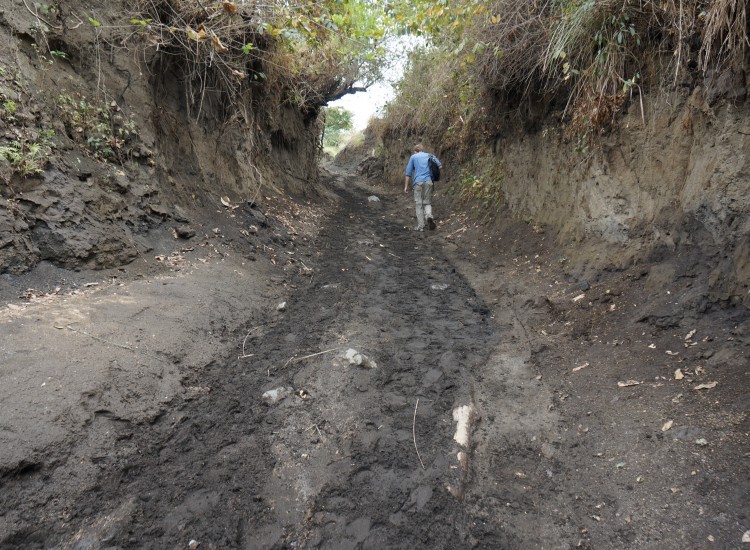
677 187
669 184
116 144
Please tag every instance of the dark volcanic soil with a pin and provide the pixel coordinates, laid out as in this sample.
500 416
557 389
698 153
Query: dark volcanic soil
547 413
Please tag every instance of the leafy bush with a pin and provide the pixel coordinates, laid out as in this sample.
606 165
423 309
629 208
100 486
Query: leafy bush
303 54
101 128
30 157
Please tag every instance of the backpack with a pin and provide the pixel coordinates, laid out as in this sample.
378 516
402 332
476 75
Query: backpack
434 168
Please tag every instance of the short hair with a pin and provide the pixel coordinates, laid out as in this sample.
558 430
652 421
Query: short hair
418 148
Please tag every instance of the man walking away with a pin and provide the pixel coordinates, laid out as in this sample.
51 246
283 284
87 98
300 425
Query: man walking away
418 171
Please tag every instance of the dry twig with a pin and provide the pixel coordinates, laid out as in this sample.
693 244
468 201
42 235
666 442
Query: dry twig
414 433
295 359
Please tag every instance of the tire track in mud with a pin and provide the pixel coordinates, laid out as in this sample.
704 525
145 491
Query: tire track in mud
425 340
337 468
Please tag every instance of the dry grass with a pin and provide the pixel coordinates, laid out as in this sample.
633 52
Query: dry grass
725 37
593 56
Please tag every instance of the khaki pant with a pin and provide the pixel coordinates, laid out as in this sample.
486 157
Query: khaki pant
423 200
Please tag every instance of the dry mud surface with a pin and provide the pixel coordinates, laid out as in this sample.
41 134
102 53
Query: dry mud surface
494 406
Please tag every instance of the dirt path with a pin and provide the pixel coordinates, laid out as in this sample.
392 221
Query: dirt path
472 352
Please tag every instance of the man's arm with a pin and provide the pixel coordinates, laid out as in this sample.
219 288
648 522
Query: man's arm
409 172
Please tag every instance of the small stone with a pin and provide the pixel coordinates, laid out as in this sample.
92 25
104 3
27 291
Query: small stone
281 307
373 198
548 451
702 442
193 544
184 232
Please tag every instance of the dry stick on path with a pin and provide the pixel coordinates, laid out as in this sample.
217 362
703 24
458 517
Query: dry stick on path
102 340
244 355
298 359
136 249
115 344
414 433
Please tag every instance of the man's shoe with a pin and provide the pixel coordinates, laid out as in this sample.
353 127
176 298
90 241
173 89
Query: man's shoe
431 224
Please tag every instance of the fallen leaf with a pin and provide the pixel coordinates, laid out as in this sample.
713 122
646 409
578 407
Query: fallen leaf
690 334
678 375
700 370
706 386
192 35
677 398
225 201
702 442
520 475
667 425
579 298
580 367
670 352
711 538
652 346
217 45
675 490
628 383
229 7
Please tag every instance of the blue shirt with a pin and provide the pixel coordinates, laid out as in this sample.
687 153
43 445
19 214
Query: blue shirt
418 168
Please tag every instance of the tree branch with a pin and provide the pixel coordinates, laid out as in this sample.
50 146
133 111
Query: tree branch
351 89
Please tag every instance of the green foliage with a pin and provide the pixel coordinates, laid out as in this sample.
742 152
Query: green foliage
440 21
481 184
338 120
100 128
9 110
29 157
47 10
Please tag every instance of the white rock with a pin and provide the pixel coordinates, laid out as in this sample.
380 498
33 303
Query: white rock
464 417
277 394
281 307
373 198
439 286
361 360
